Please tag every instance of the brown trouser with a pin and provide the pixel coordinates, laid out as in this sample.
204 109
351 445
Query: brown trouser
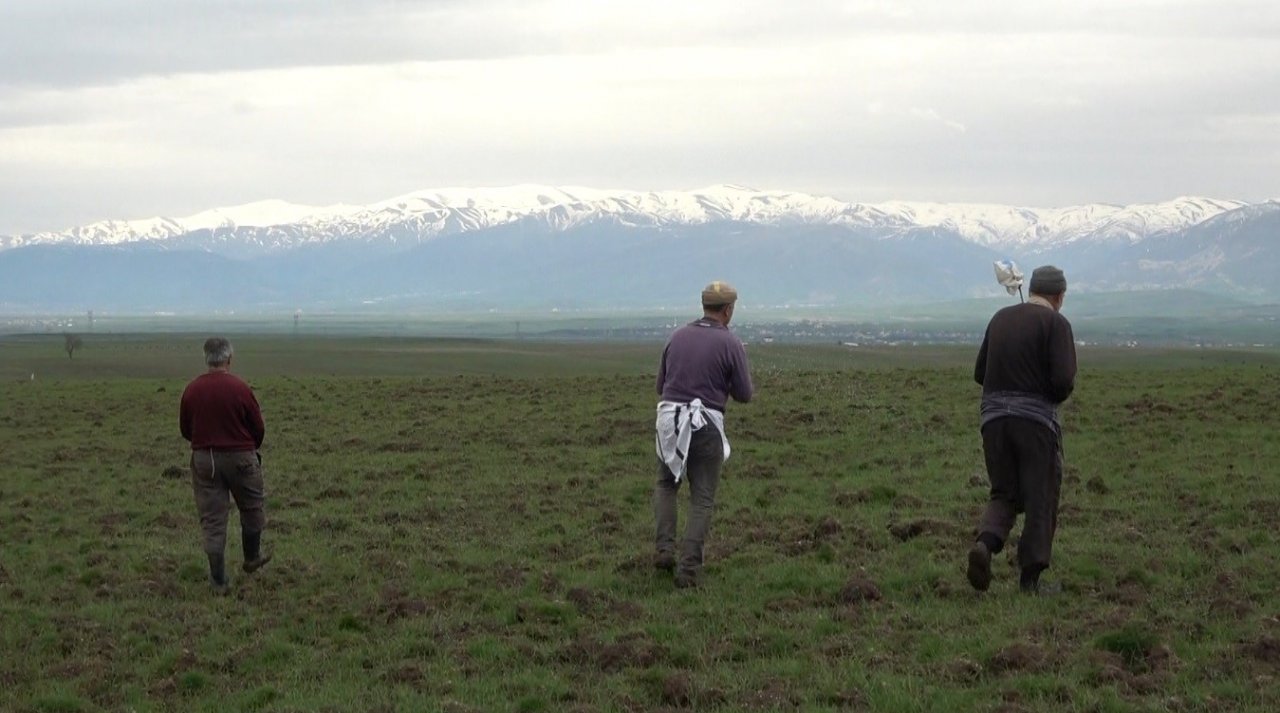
214 474
1024 465
702 470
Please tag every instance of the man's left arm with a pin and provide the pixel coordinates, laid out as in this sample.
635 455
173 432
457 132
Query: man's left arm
253 419
1062 360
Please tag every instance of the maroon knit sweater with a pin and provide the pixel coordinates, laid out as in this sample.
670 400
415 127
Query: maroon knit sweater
220 412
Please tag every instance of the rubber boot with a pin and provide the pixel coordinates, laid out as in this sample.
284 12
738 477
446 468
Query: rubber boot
253 559
218 572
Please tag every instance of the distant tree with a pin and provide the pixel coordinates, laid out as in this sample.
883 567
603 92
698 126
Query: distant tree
72 343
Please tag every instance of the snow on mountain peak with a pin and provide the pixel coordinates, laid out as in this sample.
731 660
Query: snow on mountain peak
434 212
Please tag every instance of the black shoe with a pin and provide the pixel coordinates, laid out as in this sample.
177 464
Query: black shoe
979 567
253 565
253 559
664 561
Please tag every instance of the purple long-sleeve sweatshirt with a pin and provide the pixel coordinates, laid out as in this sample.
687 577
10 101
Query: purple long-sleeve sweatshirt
704 360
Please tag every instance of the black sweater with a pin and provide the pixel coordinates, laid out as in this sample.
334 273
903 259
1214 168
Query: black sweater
1028 348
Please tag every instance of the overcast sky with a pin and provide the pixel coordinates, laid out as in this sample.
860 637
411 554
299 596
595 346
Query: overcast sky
132 108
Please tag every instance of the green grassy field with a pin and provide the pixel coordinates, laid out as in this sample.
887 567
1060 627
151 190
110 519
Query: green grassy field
465 526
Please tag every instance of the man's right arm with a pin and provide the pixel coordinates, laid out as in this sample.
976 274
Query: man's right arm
980 368
662 369
184 417
740 386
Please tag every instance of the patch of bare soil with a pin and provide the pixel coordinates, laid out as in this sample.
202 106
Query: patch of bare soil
1097 485
394 603
1147 405
173 472
963 669
510 576
409 674
677 691
773 695
809 538
909 529
1018 658
850 698
858 590
1265 648
633 650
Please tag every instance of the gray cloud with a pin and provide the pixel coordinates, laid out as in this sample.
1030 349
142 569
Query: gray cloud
78 42
132 108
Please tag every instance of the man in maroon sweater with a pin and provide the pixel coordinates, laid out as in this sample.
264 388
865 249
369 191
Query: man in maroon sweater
702 365
1027 368
220 416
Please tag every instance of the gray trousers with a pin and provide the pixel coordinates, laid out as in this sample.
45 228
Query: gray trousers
1024 465
214 476
702 472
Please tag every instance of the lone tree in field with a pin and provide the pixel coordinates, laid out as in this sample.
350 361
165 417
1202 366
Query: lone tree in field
73 342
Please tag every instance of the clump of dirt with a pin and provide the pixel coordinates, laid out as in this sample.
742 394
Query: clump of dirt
173 472
633 650
332 493
963 669
826 528
394 603
677 691
1265 649
510 577
1018 657
910 529
1097 485
850 698
846 498
581 598
409 674
859 589
773 695
1147 405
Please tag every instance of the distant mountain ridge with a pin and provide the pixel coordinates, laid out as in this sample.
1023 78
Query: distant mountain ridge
541 245
429 214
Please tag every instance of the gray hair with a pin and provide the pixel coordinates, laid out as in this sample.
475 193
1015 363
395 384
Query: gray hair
217 351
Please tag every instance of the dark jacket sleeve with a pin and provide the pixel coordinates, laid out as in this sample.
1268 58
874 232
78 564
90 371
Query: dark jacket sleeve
980 368
740 386
662 368
1062 360
184 417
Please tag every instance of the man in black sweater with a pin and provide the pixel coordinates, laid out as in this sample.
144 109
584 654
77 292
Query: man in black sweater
1027 368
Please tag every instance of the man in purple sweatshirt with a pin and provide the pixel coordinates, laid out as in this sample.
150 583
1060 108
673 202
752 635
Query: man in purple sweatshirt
1027 368
702 365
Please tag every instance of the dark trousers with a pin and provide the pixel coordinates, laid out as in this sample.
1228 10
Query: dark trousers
1024 465
214 476
702 471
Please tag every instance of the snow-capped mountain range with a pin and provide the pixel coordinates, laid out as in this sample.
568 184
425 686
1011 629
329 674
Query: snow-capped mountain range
537 246
428 214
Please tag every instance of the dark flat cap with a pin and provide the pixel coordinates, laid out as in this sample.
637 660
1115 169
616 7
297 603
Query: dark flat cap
1048 280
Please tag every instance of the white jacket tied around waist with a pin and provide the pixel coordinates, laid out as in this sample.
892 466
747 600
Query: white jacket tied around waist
675 426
